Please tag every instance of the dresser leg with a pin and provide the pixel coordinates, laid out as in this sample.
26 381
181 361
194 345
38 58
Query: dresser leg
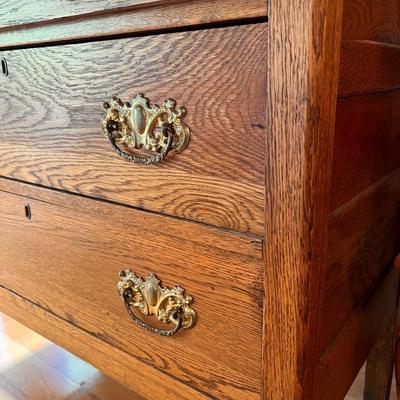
380 364
397 349
397 362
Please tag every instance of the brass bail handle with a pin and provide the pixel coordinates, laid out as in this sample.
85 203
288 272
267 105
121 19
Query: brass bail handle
170 306
142 134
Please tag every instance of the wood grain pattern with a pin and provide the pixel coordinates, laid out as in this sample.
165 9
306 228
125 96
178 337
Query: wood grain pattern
368 67
20 12
340 364
365 197
31 23
223 274
377 20
303 60
218 179
116 363
366 145
363 241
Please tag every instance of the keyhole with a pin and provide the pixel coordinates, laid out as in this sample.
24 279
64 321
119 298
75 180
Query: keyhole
4 66
28 212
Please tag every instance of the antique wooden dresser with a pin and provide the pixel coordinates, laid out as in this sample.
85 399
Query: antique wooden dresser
201 198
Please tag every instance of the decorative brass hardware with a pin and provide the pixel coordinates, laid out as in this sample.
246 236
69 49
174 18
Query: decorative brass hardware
170 306
154 130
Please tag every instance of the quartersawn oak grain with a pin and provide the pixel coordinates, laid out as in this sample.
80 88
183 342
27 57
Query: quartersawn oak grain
53 100
302 56
221 270
21 12
303 61
37 22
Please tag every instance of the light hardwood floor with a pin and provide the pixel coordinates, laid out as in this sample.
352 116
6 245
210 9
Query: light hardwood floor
32 368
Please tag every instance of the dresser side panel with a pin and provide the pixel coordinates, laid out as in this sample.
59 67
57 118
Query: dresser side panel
365 196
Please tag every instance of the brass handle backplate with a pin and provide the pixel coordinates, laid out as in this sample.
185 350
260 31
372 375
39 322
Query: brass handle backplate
148 297
143 134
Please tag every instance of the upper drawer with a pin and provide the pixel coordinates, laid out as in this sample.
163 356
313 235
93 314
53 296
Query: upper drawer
19 12
37 21
51 113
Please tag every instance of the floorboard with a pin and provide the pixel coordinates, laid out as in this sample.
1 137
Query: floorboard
32 368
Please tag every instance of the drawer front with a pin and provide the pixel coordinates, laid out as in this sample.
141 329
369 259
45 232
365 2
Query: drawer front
65 253
28 22
51 112
20 12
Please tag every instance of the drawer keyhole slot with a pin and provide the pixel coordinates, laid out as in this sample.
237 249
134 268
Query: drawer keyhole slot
28 212
4 66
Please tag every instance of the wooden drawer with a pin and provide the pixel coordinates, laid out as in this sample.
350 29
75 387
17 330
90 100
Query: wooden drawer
18 12
51 112
66 259
27 22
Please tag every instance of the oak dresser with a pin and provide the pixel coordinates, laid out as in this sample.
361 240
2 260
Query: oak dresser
201 198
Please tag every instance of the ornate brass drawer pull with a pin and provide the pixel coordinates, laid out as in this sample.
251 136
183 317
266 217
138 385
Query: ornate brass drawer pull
153 131
170 306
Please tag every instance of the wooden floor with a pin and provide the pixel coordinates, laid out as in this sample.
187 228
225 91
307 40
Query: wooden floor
32 368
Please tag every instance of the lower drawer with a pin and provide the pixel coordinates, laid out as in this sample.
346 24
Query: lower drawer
64 254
